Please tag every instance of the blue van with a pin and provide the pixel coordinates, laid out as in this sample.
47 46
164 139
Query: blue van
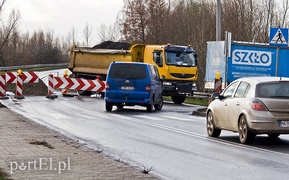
133 83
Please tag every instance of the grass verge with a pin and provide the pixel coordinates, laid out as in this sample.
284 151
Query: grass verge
191 100
4 175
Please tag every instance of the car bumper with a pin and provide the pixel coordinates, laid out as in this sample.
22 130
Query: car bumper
128 102
265 122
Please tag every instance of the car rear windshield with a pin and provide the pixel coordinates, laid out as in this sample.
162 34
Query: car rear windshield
278 89
128 71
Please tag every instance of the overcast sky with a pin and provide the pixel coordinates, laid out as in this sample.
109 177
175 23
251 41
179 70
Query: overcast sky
61 15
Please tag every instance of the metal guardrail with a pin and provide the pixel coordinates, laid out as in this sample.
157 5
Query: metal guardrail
32 66
201 95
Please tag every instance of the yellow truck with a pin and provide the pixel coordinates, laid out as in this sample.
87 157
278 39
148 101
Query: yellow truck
177 65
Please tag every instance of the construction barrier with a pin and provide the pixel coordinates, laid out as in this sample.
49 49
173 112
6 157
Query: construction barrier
64 83
218 85
50 87
27 77
65 91
3 87
73 83
19 86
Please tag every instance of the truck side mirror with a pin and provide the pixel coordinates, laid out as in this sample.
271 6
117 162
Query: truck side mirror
196 59
158 58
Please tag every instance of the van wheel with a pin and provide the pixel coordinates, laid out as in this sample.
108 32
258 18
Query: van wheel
108 107
159 106
150 107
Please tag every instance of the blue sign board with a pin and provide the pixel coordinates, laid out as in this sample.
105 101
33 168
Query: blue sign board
278 37
251 61
247 59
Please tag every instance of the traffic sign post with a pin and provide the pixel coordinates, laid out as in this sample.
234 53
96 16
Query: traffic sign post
279 37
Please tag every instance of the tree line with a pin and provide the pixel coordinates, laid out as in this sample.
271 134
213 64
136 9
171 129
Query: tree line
184 22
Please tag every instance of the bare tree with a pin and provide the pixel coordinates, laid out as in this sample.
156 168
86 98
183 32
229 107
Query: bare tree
7 30
157 18
87 33
135 20
285 9
109 33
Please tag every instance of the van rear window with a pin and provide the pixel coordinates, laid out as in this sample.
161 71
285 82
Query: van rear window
127 71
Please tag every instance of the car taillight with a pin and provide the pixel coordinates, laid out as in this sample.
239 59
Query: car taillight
148 87
107 86
258 105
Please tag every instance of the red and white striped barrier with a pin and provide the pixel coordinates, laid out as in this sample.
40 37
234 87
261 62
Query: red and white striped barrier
28 77
19 86
74 83
3 87
218 85
50 87
79 84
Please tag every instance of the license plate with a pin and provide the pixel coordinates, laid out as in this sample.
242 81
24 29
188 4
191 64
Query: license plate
284 123
127 87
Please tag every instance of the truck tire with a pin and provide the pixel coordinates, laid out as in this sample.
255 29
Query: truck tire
178 99
84 93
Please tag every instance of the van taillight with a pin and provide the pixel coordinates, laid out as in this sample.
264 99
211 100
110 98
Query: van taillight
258 105
107 86
148 87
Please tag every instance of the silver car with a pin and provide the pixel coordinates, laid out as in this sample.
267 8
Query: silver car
251 106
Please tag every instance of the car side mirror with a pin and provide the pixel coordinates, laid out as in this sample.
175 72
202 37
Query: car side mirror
215 96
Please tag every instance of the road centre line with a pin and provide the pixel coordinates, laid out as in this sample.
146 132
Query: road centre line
179 118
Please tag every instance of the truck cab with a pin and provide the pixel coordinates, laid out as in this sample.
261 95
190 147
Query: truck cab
177 66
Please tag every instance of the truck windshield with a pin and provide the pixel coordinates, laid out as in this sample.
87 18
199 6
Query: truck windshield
180 58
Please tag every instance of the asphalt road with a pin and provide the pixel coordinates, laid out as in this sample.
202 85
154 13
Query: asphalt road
171 141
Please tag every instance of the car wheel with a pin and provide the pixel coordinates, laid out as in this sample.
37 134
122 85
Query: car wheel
159 106
211 128
246 136
273 135
150 107
108 106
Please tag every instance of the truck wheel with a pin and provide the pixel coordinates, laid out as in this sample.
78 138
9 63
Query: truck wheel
84 93
108 106
178 99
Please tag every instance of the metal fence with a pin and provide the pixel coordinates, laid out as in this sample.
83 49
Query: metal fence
10 68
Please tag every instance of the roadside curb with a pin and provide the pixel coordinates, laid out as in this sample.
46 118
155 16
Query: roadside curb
200 112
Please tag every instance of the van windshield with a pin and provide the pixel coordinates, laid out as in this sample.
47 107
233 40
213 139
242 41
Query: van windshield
127 71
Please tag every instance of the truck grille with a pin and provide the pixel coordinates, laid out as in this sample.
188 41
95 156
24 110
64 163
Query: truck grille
177 75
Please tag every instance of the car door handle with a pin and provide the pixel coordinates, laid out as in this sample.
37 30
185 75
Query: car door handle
226 104
237 103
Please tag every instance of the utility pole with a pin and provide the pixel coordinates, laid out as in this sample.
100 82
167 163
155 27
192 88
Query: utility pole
218 21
